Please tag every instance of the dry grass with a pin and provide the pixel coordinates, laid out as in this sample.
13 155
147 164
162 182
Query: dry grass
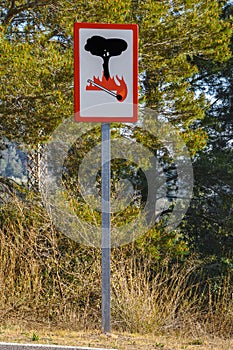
144 303
47 279
170 299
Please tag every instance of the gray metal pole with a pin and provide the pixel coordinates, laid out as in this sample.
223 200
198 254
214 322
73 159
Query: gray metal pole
106 226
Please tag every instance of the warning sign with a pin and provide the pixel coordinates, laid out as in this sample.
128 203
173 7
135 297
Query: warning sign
105 72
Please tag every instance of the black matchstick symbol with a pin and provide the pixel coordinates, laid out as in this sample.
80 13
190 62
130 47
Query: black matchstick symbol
118 96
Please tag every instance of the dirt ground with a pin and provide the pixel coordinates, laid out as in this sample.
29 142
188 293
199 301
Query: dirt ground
120 341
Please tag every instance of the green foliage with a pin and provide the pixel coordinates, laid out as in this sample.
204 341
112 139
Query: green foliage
34 88
36 51
161 245
209 220
178 30
175 40
35 337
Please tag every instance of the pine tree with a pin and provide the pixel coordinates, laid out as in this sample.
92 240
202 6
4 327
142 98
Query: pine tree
210 219
37 59
177 39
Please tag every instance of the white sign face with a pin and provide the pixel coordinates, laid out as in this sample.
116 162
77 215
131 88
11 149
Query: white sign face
106 74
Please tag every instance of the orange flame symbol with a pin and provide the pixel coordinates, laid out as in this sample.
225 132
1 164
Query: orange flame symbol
110 85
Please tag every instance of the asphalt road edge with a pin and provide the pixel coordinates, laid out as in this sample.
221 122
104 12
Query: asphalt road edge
22 346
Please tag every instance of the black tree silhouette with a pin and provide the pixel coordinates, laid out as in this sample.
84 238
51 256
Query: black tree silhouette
105 48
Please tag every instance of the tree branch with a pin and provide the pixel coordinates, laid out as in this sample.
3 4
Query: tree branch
13 10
